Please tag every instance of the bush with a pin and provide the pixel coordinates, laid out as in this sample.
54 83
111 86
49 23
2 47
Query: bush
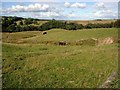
117 23
28 21
80 26
21 23
89 26
11 28
59 24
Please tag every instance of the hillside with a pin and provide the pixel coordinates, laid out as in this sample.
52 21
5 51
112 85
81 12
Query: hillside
85 22
18 24
30 62
54 53
59 35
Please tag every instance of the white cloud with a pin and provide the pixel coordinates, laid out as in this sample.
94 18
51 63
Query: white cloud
59 0
75 5
79 5
27 0
67 4
105 14
100 5
71 15
106 0
103 11
36 11
30 8
55 15
56 9
49 14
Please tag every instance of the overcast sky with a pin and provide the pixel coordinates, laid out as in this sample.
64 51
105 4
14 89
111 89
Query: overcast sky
61 9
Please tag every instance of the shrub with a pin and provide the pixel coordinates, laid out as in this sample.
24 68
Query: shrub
89 26
11 28
117 23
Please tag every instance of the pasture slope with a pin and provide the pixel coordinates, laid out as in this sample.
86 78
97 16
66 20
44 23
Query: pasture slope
30 62
85 22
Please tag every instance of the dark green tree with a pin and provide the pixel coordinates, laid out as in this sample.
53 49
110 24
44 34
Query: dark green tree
11 28
21 22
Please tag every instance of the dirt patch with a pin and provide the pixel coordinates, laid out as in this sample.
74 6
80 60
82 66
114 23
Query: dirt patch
108 40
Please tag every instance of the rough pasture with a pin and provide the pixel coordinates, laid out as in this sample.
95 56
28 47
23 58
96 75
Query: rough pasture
37 62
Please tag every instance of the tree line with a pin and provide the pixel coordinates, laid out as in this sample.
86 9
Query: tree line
10 24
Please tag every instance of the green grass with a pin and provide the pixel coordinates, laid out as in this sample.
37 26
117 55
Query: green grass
60 35
14 37
39 65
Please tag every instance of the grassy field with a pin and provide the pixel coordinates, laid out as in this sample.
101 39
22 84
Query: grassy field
59 35
84 22
31 65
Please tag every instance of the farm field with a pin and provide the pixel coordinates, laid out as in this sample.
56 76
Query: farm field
84 22
34 60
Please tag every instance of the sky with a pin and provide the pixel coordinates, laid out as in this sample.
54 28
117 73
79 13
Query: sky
61 9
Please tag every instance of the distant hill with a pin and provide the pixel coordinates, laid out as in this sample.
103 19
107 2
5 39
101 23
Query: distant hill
17 24
85 22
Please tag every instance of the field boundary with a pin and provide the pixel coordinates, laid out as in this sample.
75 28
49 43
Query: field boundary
90 42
